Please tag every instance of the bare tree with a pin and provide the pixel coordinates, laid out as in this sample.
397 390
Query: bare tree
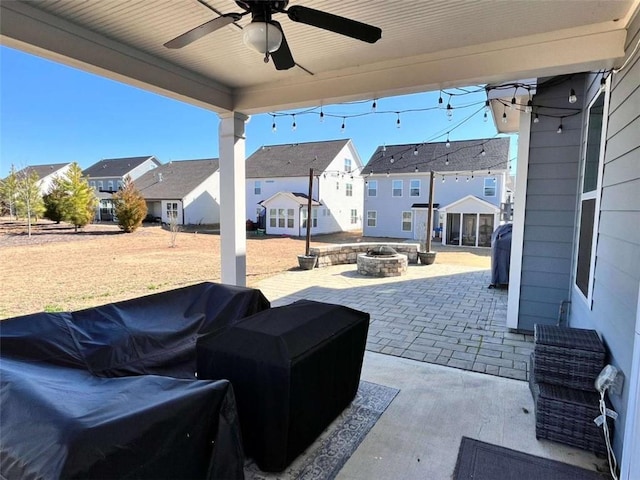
174 229
28 196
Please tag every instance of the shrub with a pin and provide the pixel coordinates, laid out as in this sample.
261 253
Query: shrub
129 206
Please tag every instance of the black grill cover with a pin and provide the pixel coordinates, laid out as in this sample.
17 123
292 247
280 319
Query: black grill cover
501 255
155 334
60 422
293 370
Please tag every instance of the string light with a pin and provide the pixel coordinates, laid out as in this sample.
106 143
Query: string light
442 178
572 96
603 83
416 169
440 99
486 106
456 177
384 147
343 125
446 162
536 119
387 173
415 150
274 128
472 175
483 153
374 105
560 126
504 115
513 102
321 115
448 143
392 159
467 178
398 120
293 125
529 107
449 111
485 116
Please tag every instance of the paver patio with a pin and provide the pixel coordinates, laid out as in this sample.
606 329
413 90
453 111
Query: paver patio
442 314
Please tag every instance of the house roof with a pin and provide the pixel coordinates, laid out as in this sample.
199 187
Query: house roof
116 167
43 170
463 155
473 198
299 198
175 180
293 160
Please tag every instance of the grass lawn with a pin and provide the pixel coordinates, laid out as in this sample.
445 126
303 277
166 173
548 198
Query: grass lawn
57 269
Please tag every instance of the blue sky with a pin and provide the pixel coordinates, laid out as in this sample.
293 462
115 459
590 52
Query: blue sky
50 113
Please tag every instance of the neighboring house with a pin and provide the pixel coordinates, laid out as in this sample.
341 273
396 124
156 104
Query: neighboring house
188 190
575 256
278 187
106 177
469 189
46 174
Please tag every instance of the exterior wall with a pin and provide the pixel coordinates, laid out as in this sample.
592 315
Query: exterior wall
144 167
550 218
45 183
202 204
389 208
617 267
271 186
286 203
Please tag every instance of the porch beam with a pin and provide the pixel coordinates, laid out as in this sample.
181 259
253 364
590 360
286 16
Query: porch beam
233 238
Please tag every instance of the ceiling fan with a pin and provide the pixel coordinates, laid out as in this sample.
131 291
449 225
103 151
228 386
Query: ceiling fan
265 35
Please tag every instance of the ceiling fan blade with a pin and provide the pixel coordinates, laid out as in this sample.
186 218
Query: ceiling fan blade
204 29
282 58
334 23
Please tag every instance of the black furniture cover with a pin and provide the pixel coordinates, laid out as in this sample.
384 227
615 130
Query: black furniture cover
62 416
155 334
60 422
501 255
293 370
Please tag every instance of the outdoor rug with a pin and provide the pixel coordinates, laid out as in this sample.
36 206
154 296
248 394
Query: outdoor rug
331 450
482 461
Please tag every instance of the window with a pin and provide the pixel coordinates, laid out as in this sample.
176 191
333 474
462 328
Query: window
100 185
372 218
257 187
314 218
490 187
372 190
337 185
354 216
407 221
110 185
272 217
281 218
172 210
349 189
290 218
590 194
347 165
414 187
396 188
92 184
119 184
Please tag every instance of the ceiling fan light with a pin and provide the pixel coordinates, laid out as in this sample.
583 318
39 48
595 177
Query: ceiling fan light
262 37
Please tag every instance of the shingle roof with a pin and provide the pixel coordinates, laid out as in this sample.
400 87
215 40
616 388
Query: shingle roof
292 160
43 170
116 167
464 155
174 180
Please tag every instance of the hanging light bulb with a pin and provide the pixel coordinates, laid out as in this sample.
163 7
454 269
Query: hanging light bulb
343 125
603 83
384 147
398 120
483 153
471 175
293 125
416 169
448 143
513 102
415 150
529 107
504 115
488 172
486 105
559 127
440 99
467 178
573 98
392 159
387 173
442 178
446 162
274 128
374 105
321 115
485 117
536 119
456 177
449 111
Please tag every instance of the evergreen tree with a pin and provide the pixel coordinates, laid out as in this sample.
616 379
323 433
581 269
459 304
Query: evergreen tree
80 202
56 200
28 197
9 192
129 206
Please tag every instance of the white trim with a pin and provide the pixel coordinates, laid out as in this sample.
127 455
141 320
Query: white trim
470 197
517 233
592 194
630 463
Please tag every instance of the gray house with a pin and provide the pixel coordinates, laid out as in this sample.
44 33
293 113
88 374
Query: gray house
470 189
576 230
188 190
107 175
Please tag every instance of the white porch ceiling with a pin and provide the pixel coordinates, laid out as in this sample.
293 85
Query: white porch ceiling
425 45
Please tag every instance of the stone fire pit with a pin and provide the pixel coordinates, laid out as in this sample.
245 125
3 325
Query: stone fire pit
382 261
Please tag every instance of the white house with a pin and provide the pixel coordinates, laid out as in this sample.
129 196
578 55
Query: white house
46 174
106 177
188 190
469 189
278 186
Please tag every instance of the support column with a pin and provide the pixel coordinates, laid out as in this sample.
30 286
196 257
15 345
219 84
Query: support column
233 237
